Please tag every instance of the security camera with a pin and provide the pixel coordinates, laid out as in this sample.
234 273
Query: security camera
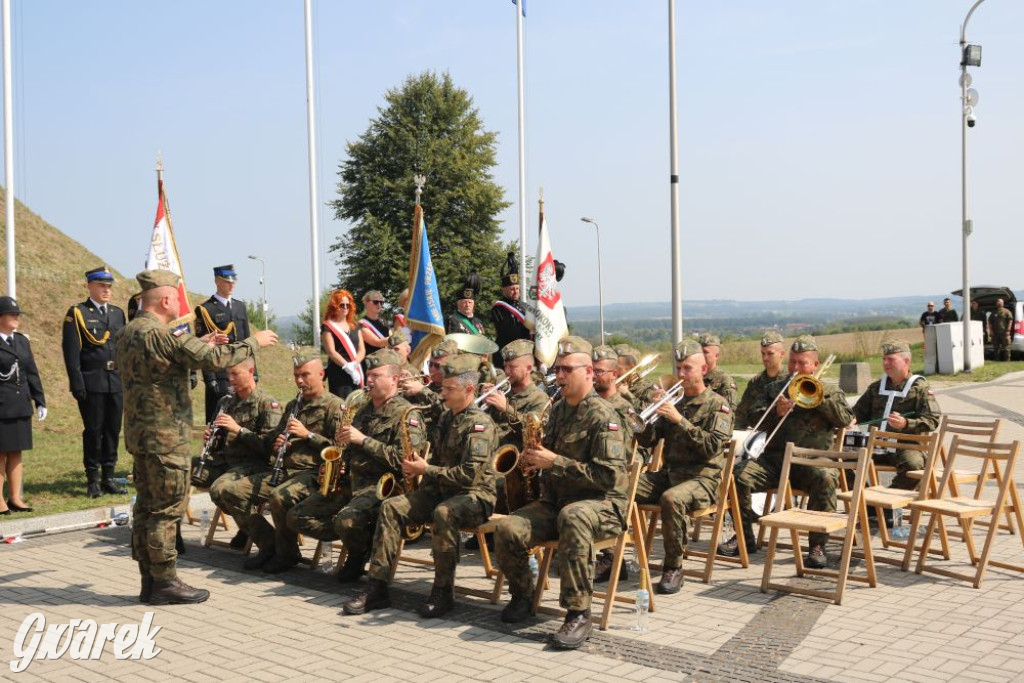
971 120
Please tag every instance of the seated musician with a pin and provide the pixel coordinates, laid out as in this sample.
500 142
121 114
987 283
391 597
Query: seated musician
696 430
582 462
766 385
244 416
807 428
456 490
373 448
401 345
639 391
717 379
307 426
902 403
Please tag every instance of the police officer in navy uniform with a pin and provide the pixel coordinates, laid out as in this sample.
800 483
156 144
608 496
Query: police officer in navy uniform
224 315
508 313
87 340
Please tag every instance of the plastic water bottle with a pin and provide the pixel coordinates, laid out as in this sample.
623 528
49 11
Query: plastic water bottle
900 531
534 568
326 565
643 605
204 522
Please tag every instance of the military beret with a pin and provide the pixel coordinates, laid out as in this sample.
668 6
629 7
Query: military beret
895 346
151 279
382 357
460 364
397 338
445 348
574 344
226 273
303 355
628 351
604 352
708 339
804 342
101 274
687 348
516 349
771 337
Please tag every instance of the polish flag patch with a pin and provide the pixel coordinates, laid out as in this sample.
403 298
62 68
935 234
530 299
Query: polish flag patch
613 426
725 408
479 428
275 404
413 422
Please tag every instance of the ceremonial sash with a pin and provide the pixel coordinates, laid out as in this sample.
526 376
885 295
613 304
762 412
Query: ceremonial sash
513 311
212 326
468 323
82 329
350 350
893 395
369 326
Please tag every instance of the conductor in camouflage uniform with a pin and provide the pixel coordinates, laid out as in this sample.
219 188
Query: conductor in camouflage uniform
582 464
87 341
224 315
903 403
456 491
806 428
717 379
696 431
154 361
766 385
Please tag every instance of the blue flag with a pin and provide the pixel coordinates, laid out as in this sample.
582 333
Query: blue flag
522 5
423 314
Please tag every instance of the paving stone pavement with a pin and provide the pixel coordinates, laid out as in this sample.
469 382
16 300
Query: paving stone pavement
264 628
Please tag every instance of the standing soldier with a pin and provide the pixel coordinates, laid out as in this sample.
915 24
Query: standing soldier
222 315
89 329
507 314
154 361
766 385
583 465
1000 322
717 379
464 319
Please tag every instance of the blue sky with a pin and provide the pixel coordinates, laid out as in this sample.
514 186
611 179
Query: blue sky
819 140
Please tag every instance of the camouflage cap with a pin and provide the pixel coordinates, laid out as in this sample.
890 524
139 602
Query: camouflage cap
709 339
628 351
151 279
771 337
894 346
804 342
382 357
687 348
574 344
445 348
604 352
305 354
460 364
397 338
517 349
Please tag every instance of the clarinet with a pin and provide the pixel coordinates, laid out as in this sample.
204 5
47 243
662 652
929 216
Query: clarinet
278 473
197 475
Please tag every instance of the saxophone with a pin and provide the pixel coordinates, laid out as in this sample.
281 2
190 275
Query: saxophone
334 468
389 485
533 436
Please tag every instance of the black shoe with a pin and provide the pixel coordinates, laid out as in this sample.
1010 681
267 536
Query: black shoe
5 512
816 558
147 590
239 541
93 489
18 508
603 570
278 563
179 542
440 602
731 548
109 485
176 592
671 581
518 609
259 559
354 567
575 630
376 597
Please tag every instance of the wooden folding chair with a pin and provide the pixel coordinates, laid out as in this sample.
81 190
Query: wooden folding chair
219 520
965 509
490 571
797 521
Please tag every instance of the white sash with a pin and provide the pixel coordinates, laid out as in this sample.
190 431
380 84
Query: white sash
368 325
352 352
893 395
515 312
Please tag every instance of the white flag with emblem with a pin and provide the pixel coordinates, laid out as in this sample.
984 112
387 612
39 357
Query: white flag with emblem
545 312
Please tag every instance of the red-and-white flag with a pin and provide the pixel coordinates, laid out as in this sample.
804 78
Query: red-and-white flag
163 255
545 312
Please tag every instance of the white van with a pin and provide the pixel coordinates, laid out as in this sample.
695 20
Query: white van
986 296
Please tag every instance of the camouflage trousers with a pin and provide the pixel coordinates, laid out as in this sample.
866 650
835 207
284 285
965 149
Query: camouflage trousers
764 473
419 507
904 460
232 492
350 517
676 502
1001 345
161 483
576 526
214 468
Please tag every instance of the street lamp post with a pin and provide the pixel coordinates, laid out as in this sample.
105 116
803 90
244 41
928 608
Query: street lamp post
263 284
970 55
600 279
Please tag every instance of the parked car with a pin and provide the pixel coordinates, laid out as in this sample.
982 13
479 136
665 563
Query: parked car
986 296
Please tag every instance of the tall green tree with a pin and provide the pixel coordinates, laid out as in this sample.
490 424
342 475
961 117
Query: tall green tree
427 127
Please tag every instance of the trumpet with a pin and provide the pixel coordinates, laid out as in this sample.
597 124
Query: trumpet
649 415
504 386
646 366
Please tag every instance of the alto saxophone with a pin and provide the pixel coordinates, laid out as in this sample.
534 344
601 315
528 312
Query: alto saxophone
388 485
334 468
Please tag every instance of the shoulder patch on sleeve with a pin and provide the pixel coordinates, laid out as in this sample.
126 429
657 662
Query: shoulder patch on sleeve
613 426
275 404
725 408
177 333
479 428
413 422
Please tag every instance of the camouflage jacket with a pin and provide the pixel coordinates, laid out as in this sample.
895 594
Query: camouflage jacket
154 361
919 401
256 414
461 455
810 428
1001 321
320 416
509 422
722 384
641 394
758 395
591 462
696 446
381 452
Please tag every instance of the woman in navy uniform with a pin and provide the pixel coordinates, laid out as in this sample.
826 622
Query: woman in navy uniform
19 387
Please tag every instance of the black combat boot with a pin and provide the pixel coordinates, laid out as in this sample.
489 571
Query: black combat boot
260 558
281 563
176 592
376 597
147 590
93 489
575 630
518 609
109 485
671 581
179 542
603 569
731 548
816 557
239 540
354 567
440 602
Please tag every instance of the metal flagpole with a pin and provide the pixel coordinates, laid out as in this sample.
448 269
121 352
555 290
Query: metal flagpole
522 142
12 267
313 202
677 278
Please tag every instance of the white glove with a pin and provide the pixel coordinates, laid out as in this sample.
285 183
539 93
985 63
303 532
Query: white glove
352 368
41 413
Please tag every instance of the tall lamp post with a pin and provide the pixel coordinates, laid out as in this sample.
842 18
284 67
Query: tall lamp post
263 284
970 55
600 279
